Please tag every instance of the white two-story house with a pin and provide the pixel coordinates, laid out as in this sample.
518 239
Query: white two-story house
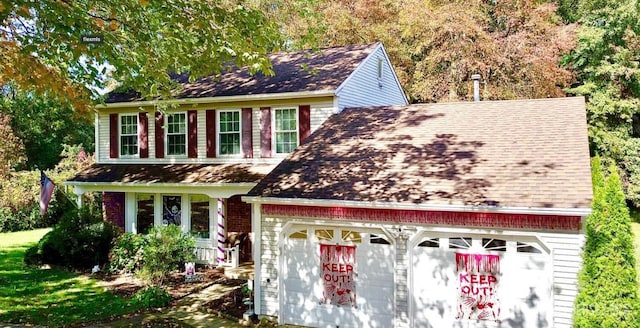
190 163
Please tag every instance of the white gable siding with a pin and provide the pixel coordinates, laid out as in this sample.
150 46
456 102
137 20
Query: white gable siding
363 88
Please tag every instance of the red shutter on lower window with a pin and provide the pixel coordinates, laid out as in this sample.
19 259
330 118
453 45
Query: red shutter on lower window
304 122
159 135
211 133
113 136
265 131
247 133
143 135
192 130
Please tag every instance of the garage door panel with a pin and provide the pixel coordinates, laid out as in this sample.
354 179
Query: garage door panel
304 281
523 283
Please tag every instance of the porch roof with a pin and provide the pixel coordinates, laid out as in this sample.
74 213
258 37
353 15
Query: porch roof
496 154
172 173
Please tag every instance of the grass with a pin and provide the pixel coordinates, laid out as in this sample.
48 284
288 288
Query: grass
48 297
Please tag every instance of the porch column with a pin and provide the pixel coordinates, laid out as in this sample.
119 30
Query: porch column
78 192
221 228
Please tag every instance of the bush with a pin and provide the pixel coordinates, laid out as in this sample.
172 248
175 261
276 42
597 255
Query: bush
127 253
80 240
151 297
166 250
608 290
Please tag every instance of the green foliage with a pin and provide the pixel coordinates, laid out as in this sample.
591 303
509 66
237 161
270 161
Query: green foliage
151 297
31 296
45 125
167 249
608 291
20 192
127 254
143 41
608 75
11 148
80 240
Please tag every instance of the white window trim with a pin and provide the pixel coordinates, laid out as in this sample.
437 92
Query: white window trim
274 148
186 135
120 135
218 131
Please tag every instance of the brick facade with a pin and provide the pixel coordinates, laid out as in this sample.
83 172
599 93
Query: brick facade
113 208
239 225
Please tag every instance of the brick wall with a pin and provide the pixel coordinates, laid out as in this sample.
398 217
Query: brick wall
113 208
239 225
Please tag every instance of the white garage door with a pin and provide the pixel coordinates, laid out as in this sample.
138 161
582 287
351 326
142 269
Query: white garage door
480 281
309 275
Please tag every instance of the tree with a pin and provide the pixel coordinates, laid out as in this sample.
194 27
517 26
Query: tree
45 125
11 148
608 290
43 47
607 68
437 45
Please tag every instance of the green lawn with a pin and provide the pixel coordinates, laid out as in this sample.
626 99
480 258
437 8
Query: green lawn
48 296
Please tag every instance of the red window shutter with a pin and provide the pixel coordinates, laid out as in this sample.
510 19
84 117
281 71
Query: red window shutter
113 136
265 131
143 133
211 133
159 135
192 131
247 131
304 122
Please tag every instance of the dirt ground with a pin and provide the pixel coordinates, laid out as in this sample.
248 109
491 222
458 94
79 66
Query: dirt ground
231 305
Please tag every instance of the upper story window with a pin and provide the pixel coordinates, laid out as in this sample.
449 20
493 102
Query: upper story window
177 134
129 135
229 135
286 130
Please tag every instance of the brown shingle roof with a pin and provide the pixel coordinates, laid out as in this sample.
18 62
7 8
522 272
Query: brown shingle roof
525 153
173 173
322 70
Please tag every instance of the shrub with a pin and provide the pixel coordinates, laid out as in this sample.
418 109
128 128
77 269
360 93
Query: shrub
608 291
166 250
151 297
80 240
127 253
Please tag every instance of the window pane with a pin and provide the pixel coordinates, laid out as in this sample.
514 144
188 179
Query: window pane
128 135
144 212
460 242
171 210
176 134
200 216
286 134
229 133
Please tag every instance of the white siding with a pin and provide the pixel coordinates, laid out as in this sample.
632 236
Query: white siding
320 111
269 254
566 251
363 88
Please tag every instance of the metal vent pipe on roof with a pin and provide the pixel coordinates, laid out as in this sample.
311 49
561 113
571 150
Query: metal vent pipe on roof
476 87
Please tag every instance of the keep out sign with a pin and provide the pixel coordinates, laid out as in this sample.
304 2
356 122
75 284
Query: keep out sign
337 263
477 286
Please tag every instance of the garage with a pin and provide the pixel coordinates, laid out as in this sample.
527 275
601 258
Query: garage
337 277
484 280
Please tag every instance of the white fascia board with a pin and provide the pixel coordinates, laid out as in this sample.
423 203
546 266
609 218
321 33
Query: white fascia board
418 207
157 184
221 99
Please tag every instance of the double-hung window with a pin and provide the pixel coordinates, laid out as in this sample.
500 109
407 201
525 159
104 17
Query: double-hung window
286 130
229 136
177 134
129 135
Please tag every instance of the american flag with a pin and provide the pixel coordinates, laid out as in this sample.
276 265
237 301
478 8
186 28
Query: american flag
46 191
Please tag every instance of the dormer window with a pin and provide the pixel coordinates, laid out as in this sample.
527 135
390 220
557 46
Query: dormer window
128 135
286 130
229 135
177 134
